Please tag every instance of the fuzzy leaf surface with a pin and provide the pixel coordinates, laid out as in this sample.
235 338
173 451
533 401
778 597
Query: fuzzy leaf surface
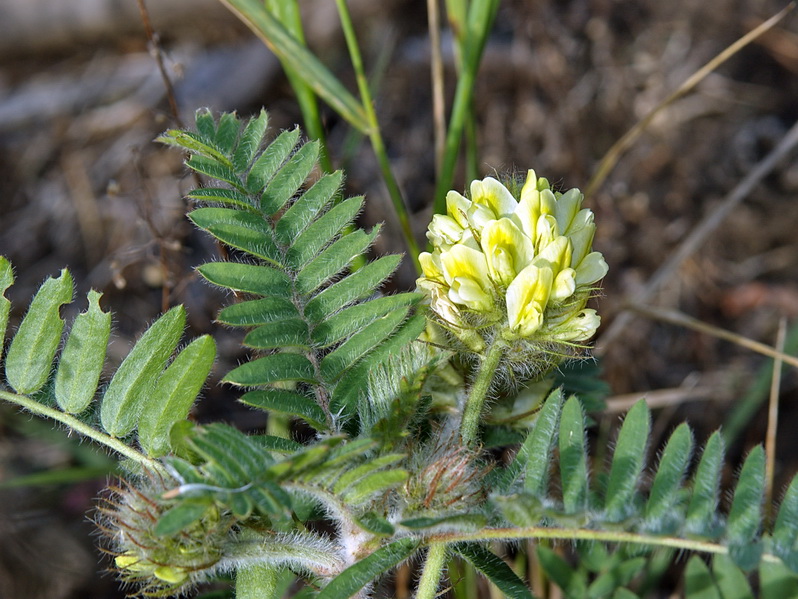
495 569
627 462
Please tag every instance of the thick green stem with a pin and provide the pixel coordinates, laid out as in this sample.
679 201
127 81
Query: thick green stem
479 390
431 575
257 582
82 428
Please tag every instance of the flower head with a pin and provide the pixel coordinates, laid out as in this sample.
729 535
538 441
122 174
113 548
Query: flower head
516 267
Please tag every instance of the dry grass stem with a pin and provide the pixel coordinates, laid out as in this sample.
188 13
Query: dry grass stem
773 419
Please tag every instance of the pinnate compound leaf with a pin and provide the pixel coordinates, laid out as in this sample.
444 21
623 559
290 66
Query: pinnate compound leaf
702 512
573 465
272 369
30 356
249 278
287 402
270 161
134 381
307 207
289 178
495 569
627 462
321 232
361 574
665 490
175 393
6 280
83 357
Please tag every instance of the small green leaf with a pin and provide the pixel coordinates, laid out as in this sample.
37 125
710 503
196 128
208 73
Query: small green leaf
702 511
560 572
523 510
462 522
334 259
360 344
287 402
356 286
745 516
249 278
255 312
135 379
215 170
356 577
573 466
307 207
276 444
251 138
785 531
83 357
227 133
280 333
322 231
618 576
256 243
537 450
699 583
668 481
271 159
375 483
175 393
6 280
376 524
210 216
289 178
354 318
222 195
731 581
627 462
495 570
775 580
272 369
180 517
355 474
31 354
205 124
193 143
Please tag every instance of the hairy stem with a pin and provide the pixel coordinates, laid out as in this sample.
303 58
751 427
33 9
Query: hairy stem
431 575
472 409
256 582
82 428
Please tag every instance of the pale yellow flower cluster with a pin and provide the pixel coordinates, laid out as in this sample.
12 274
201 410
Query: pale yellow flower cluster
524 265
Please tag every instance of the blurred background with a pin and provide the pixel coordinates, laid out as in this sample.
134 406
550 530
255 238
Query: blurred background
83 186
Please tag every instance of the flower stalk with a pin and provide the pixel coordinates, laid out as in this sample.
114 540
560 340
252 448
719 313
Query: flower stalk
472 409
433 569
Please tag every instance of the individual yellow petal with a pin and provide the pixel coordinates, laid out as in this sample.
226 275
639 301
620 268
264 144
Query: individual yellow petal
528 212
457 207
494 196
580 327
592 269
564 285
444 231
556 255
431 265
527 297
507 250
170 574
466 271
546 231
581 240
566 209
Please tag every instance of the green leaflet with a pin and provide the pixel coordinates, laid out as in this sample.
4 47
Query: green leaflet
699 583
6 280
361 574
495 570
573 467
175 393
250 278
257 243
627 462
785 531
221 195
287 402
619 575
355 474
135 379
83 357
670 474
702 511
731 581
356 286
180 517
216 170
537 450
270 161
31 354
272 369
291 332
254 312
375 483
227 132
335 258
745 516
322 231
250 140
775 580
307 207
196 144
561 573
289 178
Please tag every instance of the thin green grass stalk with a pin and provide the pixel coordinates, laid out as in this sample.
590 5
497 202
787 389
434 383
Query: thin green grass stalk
375 134
432 572
287 12
481 14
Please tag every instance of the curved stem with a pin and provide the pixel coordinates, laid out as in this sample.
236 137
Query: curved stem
472 409
433 569
82 428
